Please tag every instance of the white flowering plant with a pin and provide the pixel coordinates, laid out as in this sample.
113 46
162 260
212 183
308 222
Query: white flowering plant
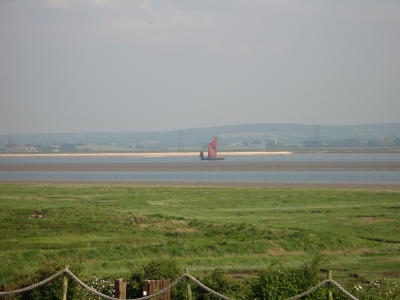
103 285
384 289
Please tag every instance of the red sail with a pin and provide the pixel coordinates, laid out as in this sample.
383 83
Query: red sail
212 149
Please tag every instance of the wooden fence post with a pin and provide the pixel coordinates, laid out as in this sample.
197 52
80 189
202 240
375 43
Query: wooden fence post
65 285
3 289
153 286
120 288
189 289
330 296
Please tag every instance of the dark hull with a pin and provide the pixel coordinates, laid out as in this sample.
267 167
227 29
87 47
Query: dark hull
218 158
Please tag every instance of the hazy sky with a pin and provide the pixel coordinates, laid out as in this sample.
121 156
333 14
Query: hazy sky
134 65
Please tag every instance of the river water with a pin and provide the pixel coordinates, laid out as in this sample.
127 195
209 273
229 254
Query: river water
335 176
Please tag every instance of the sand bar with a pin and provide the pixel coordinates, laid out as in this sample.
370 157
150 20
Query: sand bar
139 154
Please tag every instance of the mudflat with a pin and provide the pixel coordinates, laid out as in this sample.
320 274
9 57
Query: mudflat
206 166
291 185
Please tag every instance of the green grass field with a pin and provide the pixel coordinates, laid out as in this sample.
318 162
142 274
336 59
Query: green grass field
115 229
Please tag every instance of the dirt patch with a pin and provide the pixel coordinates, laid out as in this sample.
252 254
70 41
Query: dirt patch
391 274
241 274
53 199
36 215
276 221
353 251
372 220
12 197
164 202
282 252
396 261
185 229
364 250
331 252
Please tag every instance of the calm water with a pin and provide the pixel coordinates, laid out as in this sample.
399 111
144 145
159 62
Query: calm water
318 157
371 177
301 177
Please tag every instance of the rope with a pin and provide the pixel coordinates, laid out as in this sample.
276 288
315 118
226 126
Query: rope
206 287
309 291
33 286
319 285
85 286
342 289
93 291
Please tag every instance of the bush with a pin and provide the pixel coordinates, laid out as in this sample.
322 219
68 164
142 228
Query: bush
53 289
104 285
221 282
157 270
281 283
160 269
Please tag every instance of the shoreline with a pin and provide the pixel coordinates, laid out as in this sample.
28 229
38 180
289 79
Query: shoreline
142 154
291 185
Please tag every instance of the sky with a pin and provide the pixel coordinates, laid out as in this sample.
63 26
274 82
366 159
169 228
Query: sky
151 65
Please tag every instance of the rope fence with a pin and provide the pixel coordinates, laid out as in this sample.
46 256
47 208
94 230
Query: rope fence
203 286
321 284
33 286
167 288
95 292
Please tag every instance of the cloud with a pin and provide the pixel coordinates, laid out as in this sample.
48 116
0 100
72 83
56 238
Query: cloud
59 3
145 22
249 59
104 3
83 3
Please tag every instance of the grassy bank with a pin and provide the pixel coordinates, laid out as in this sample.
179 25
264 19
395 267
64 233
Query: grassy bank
114 229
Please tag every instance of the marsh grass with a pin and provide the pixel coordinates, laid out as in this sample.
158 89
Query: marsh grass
113 229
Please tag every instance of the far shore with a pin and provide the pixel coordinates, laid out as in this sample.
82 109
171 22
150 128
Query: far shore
141 154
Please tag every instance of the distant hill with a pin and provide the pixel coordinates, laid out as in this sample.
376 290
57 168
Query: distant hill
230 137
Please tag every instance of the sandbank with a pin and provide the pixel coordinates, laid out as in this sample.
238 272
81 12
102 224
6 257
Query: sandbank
141 154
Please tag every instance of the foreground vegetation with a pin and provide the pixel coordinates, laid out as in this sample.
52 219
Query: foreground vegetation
113 230
276 283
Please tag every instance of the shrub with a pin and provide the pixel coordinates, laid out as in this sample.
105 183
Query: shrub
53 289
282 283
104 285
160 269
219 281
157 270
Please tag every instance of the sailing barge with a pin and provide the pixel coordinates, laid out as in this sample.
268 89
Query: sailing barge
212 152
